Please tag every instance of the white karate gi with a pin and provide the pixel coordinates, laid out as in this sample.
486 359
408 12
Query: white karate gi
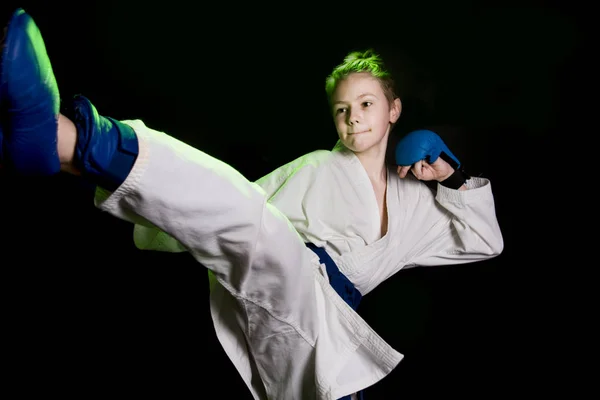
282 325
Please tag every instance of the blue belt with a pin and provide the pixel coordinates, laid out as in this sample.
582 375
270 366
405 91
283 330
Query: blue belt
341 285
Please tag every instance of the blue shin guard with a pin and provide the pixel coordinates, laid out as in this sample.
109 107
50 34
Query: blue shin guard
106 148
423 145
29 101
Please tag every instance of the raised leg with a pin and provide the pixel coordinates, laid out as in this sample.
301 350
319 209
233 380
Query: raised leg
305 340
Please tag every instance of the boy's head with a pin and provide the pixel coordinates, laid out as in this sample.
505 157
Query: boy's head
363 101
362 61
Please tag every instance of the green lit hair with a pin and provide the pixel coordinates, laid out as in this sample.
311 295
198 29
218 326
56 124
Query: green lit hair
362 61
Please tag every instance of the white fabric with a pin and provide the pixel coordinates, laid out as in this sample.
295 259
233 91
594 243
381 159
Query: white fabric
285 329
330 201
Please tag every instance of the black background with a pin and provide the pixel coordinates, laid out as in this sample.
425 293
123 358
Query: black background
86 313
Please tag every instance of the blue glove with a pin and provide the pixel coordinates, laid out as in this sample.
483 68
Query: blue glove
423 145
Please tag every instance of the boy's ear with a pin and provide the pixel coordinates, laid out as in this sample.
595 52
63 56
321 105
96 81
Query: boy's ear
395 110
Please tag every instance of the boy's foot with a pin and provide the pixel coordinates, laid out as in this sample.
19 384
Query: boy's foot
29 101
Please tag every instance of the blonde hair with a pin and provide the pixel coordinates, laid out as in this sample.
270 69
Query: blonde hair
362 61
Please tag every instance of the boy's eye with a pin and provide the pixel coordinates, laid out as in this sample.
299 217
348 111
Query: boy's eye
367 104
340 110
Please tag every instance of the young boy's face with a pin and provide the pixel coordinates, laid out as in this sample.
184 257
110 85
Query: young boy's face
362 113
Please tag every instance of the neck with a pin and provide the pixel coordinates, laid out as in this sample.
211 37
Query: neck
373 161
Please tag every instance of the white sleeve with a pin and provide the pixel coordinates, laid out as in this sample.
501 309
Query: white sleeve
462 228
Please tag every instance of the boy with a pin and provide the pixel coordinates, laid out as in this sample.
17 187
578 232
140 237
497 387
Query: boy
277 313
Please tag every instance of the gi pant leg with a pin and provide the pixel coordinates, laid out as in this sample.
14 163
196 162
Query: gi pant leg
305 341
